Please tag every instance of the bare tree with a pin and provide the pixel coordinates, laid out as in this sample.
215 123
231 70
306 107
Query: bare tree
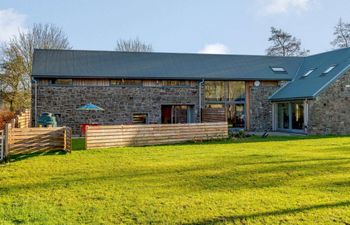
284 44
17 58
342 35
41 36
133 45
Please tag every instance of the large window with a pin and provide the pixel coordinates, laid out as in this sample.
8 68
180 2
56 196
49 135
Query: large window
225 91
177 114
231 96
236 91
214 91
290 116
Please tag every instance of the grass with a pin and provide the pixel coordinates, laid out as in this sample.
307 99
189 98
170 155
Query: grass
279 180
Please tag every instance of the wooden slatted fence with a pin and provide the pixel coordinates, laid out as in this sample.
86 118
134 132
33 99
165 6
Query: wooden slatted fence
23 120
210 115
152 134
33 140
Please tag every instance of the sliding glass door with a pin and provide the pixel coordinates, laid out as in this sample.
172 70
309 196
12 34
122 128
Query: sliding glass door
283 116
177 114
297 116
290 116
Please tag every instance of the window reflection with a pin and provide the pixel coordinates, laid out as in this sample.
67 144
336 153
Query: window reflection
229 95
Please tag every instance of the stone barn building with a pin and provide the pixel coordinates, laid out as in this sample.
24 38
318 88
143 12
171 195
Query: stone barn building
294 94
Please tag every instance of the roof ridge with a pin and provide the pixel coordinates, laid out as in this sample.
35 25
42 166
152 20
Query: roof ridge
177 53
327 52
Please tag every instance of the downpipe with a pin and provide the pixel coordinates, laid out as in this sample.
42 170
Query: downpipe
35 100
200 100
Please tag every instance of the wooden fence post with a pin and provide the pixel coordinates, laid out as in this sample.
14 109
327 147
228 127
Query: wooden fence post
65 138
86 137
7 140
68 139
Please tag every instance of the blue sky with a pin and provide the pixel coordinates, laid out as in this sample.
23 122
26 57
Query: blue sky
221 26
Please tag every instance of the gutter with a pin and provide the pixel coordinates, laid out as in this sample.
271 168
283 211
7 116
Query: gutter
162 78
292 99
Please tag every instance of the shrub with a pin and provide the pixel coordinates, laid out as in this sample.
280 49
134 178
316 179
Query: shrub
239 134
5 117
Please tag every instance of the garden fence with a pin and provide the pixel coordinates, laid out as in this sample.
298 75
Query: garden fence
152 134
35 140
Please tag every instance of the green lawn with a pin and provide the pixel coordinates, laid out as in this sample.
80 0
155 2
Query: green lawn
288 180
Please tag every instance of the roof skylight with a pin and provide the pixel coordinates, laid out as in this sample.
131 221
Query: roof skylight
308 73
278 69
329 69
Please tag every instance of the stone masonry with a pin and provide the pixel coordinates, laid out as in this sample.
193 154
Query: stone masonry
261 107
329 113
119 102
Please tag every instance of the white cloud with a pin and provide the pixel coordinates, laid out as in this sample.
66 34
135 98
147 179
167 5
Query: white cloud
216 48
284 6
10 23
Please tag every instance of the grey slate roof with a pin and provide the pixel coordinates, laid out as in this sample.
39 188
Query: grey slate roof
310 86
131 65
112 64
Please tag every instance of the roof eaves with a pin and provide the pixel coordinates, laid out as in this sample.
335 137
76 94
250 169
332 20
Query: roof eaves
157 77
292 99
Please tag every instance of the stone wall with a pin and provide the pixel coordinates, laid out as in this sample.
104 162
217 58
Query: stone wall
261 107
119 102
330 112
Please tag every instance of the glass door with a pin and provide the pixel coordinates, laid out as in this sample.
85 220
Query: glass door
177 114
290 116
283 116
235 115
297 116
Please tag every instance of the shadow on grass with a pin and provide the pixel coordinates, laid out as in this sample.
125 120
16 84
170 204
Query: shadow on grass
20 157
77 145
199 176
281 212
253 139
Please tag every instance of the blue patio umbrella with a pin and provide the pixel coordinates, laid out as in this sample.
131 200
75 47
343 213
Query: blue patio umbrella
90 107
